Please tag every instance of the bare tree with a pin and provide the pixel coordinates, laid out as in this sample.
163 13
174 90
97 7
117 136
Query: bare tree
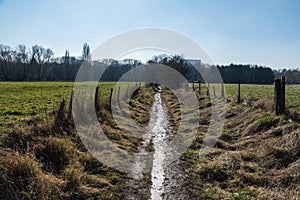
86 54
66 58
41 57
48 55
37 53
22 58
6 57
45 69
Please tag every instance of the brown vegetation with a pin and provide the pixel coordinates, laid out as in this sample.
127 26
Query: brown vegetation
256 156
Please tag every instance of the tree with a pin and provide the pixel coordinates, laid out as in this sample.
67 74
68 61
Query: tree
37 53
40 58
48 55
46 61
177 62
86 54
66 58
6 58
22 54
23 60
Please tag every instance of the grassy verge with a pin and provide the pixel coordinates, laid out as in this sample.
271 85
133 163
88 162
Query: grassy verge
256 156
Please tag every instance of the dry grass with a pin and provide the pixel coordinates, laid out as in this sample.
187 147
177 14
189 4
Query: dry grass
256 157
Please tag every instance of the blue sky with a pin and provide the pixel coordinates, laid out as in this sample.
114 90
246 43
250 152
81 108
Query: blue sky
265 32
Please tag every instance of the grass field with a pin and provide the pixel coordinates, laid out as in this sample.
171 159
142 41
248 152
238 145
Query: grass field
21 102
266 92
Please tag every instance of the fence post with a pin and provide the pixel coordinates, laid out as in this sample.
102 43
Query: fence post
239 92
222 92
97 102
118 94
199 87
277 97
126 93
208 89
110 96
70 107
283 94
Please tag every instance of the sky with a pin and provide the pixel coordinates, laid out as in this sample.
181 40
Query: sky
263 32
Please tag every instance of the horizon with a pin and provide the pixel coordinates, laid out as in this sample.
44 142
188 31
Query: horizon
251 32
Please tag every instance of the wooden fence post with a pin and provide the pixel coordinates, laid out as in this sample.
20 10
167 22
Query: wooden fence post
97 102
208 89
283 94
70 107
118 94
126 93
199 87
110 96
222 92
278 97
239 92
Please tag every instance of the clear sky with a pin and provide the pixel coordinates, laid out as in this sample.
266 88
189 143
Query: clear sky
265 32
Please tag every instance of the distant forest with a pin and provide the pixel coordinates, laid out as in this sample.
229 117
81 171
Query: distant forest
39 64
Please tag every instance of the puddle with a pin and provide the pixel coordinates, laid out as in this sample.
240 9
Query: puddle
155 135
158 134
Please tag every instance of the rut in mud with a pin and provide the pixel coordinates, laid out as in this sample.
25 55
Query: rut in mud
158 132
156 184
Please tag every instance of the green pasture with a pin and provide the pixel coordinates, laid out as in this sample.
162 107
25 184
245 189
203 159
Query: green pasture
266 92
23 101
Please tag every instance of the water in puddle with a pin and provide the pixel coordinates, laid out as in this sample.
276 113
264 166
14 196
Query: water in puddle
158 134
155 132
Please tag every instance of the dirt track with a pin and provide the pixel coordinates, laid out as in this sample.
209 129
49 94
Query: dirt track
165 181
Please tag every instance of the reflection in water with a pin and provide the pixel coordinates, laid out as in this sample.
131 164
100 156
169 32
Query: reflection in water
155 135
158 132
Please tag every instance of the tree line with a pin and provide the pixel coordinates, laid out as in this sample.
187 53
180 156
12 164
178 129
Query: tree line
233 73
39 64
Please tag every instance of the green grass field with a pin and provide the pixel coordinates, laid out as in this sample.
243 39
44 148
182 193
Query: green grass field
23 101
267 92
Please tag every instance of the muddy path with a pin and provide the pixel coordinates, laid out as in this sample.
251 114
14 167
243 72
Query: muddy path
163 181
